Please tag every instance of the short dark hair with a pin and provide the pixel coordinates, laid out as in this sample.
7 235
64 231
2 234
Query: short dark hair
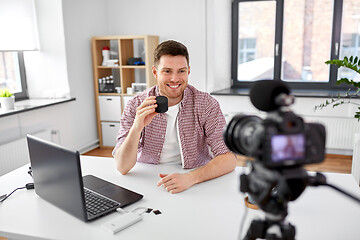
172 48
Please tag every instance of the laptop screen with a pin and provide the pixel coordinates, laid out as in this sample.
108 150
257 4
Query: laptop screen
57 176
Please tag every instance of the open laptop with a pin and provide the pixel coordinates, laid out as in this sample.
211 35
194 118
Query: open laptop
58 180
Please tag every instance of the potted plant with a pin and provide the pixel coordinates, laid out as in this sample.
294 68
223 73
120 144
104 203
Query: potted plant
7 99
352 63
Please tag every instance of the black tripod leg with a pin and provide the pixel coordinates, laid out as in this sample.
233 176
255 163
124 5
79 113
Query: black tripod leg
288 231
256 230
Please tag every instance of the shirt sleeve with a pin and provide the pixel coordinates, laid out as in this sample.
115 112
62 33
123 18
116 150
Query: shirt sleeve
126 121
214 124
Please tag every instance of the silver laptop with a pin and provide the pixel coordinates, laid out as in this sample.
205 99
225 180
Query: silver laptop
58 179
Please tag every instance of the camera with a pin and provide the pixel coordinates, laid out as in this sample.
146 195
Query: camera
282 139
280 144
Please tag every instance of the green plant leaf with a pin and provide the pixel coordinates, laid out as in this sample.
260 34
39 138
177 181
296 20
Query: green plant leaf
5 93
351 59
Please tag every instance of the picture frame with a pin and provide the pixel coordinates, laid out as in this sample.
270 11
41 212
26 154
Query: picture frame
138 87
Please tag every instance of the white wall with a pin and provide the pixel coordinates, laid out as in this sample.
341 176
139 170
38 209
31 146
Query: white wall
82 20
184 21
63 63
219 44
46 69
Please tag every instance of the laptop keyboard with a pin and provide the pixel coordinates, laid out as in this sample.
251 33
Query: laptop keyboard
96 204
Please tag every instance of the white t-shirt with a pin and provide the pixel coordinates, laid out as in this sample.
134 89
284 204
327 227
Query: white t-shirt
170 153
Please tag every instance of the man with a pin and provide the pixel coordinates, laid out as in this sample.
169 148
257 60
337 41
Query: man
182 135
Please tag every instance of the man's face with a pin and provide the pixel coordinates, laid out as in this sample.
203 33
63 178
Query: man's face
172 75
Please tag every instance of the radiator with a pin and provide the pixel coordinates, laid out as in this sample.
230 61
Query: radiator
339 132
15 154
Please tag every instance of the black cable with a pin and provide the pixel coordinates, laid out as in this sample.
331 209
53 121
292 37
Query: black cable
11 193
343 192
320 180
27 186
30 172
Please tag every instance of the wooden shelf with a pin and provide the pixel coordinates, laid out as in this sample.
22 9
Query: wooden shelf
134 66
123 48
106 67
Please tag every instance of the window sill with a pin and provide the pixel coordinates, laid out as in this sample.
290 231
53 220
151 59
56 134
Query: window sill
32 104
311 93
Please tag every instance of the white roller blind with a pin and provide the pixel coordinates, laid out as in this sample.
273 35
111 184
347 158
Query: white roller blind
17 25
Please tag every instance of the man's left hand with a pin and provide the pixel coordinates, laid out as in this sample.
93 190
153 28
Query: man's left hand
176 182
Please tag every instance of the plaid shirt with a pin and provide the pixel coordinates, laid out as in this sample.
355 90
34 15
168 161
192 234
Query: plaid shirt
200 124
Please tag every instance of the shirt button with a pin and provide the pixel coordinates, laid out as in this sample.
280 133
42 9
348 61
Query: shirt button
158 154
162 136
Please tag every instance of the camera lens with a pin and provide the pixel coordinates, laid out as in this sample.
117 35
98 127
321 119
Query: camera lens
244 134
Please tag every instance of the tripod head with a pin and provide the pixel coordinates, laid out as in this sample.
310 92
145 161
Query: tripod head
272 189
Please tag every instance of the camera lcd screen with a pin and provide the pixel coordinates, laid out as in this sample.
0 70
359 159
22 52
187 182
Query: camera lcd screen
287 147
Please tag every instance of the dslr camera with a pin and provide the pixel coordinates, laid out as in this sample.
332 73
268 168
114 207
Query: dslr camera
280 145
280 140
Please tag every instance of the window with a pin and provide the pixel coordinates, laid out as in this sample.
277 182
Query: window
247 50
256 34
12 73
350 36
292 39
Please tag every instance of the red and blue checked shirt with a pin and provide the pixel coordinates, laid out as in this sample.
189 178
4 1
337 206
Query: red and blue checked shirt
200 124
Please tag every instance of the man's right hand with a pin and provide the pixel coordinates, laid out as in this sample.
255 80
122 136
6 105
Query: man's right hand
125 155
145 113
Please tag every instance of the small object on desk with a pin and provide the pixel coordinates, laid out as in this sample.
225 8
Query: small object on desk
149 210
156 212
123 221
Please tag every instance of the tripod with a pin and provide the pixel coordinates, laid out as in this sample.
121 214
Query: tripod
270 230
271 190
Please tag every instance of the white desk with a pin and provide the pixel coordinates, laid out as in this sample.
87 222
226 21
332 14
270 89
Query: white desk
211 210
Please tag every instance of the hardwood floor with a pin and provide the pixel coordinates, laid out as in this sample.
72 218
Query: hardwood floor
100 152
332 162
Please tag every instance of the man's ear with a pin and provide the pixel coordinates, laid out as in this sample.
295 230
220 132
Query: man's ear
154 71
189 70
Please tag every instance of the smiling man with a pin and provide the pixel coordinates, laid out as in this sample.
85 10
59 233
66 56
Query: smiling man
188 134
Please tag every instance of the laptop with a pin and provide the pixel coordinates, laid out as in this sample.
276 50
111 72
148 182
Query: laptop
58 179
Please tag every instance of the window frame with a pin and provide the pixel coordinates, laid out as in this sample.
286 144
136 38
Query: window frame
279 19
24 93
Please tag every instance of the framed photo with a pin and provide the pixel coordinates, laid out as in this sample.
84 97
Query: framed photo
138 87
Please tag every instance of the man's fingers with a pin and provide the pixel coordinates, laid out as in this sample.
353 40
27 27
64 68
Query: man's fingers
164 179
148 101
150 108
171 188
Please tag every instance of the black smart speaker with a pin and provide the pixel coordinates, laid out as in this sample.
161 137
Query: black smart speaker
162 103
